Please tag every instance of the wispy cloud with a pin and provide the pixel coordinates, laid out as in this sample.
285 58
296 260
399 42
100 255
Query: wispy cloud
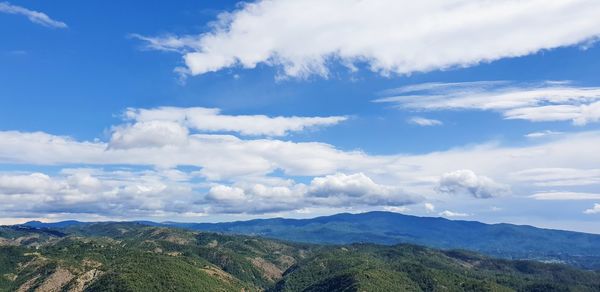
33 16
544 101
174 124
424 122
553 177
169 43
542 134
390 36
565 196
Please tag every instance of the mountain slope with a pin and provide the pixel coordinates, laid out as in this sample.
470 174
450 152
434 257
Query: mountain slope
134 257
415 268
500 240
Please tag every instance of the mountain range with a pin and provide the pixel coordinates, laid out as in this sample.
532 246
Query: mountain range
388 228
132 256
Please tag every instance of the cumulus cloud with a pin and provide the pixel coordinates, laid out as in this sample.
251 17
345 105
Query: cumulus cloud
226 193
420 121
218 156
389 36
545 101
257 172
212 120
565 196
33 16
255 198
593 210
225 157
44 148
466 181
148 134
33 183
337 190
340 189
447 213
93 191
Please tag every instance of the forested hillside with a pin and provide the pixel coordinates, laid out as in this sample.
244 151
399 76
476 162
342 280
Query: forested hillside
135 257
507 241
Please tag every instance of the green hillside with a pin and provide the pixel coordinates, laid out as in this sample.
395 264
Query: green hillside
135 257
508 241
415 268
497 240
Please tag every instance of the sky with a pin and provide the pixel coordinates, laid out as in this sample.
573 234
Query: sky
208 111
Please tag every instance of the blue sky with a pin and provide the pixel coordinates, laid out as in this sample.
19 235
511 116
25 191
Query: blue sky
208 111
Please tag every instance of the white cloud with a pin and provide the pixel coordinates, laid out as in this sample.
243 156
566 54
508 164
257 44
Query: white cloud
420 121
466 181
593 210
43 148
546 101
26 183
148 134
338 191
93 191
255 198
211 120
542 134
33 16
565 196
429 207
552 177
580 114
226 193
168 42
389 36
354 185
219 156
447 213
262 169
228 157
225 157
396 209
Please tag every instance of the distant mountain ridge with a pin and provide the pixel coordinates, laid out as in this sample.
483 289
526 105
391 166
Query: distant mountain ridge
388 228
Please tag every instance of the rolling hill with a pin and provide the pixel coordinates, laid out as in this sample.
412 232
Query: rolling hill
499 240
387 228
137 257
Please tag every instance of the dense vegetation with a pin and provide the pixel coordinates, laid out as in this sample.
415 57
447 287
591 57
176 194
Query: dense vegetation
415 268
499 240
136 257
